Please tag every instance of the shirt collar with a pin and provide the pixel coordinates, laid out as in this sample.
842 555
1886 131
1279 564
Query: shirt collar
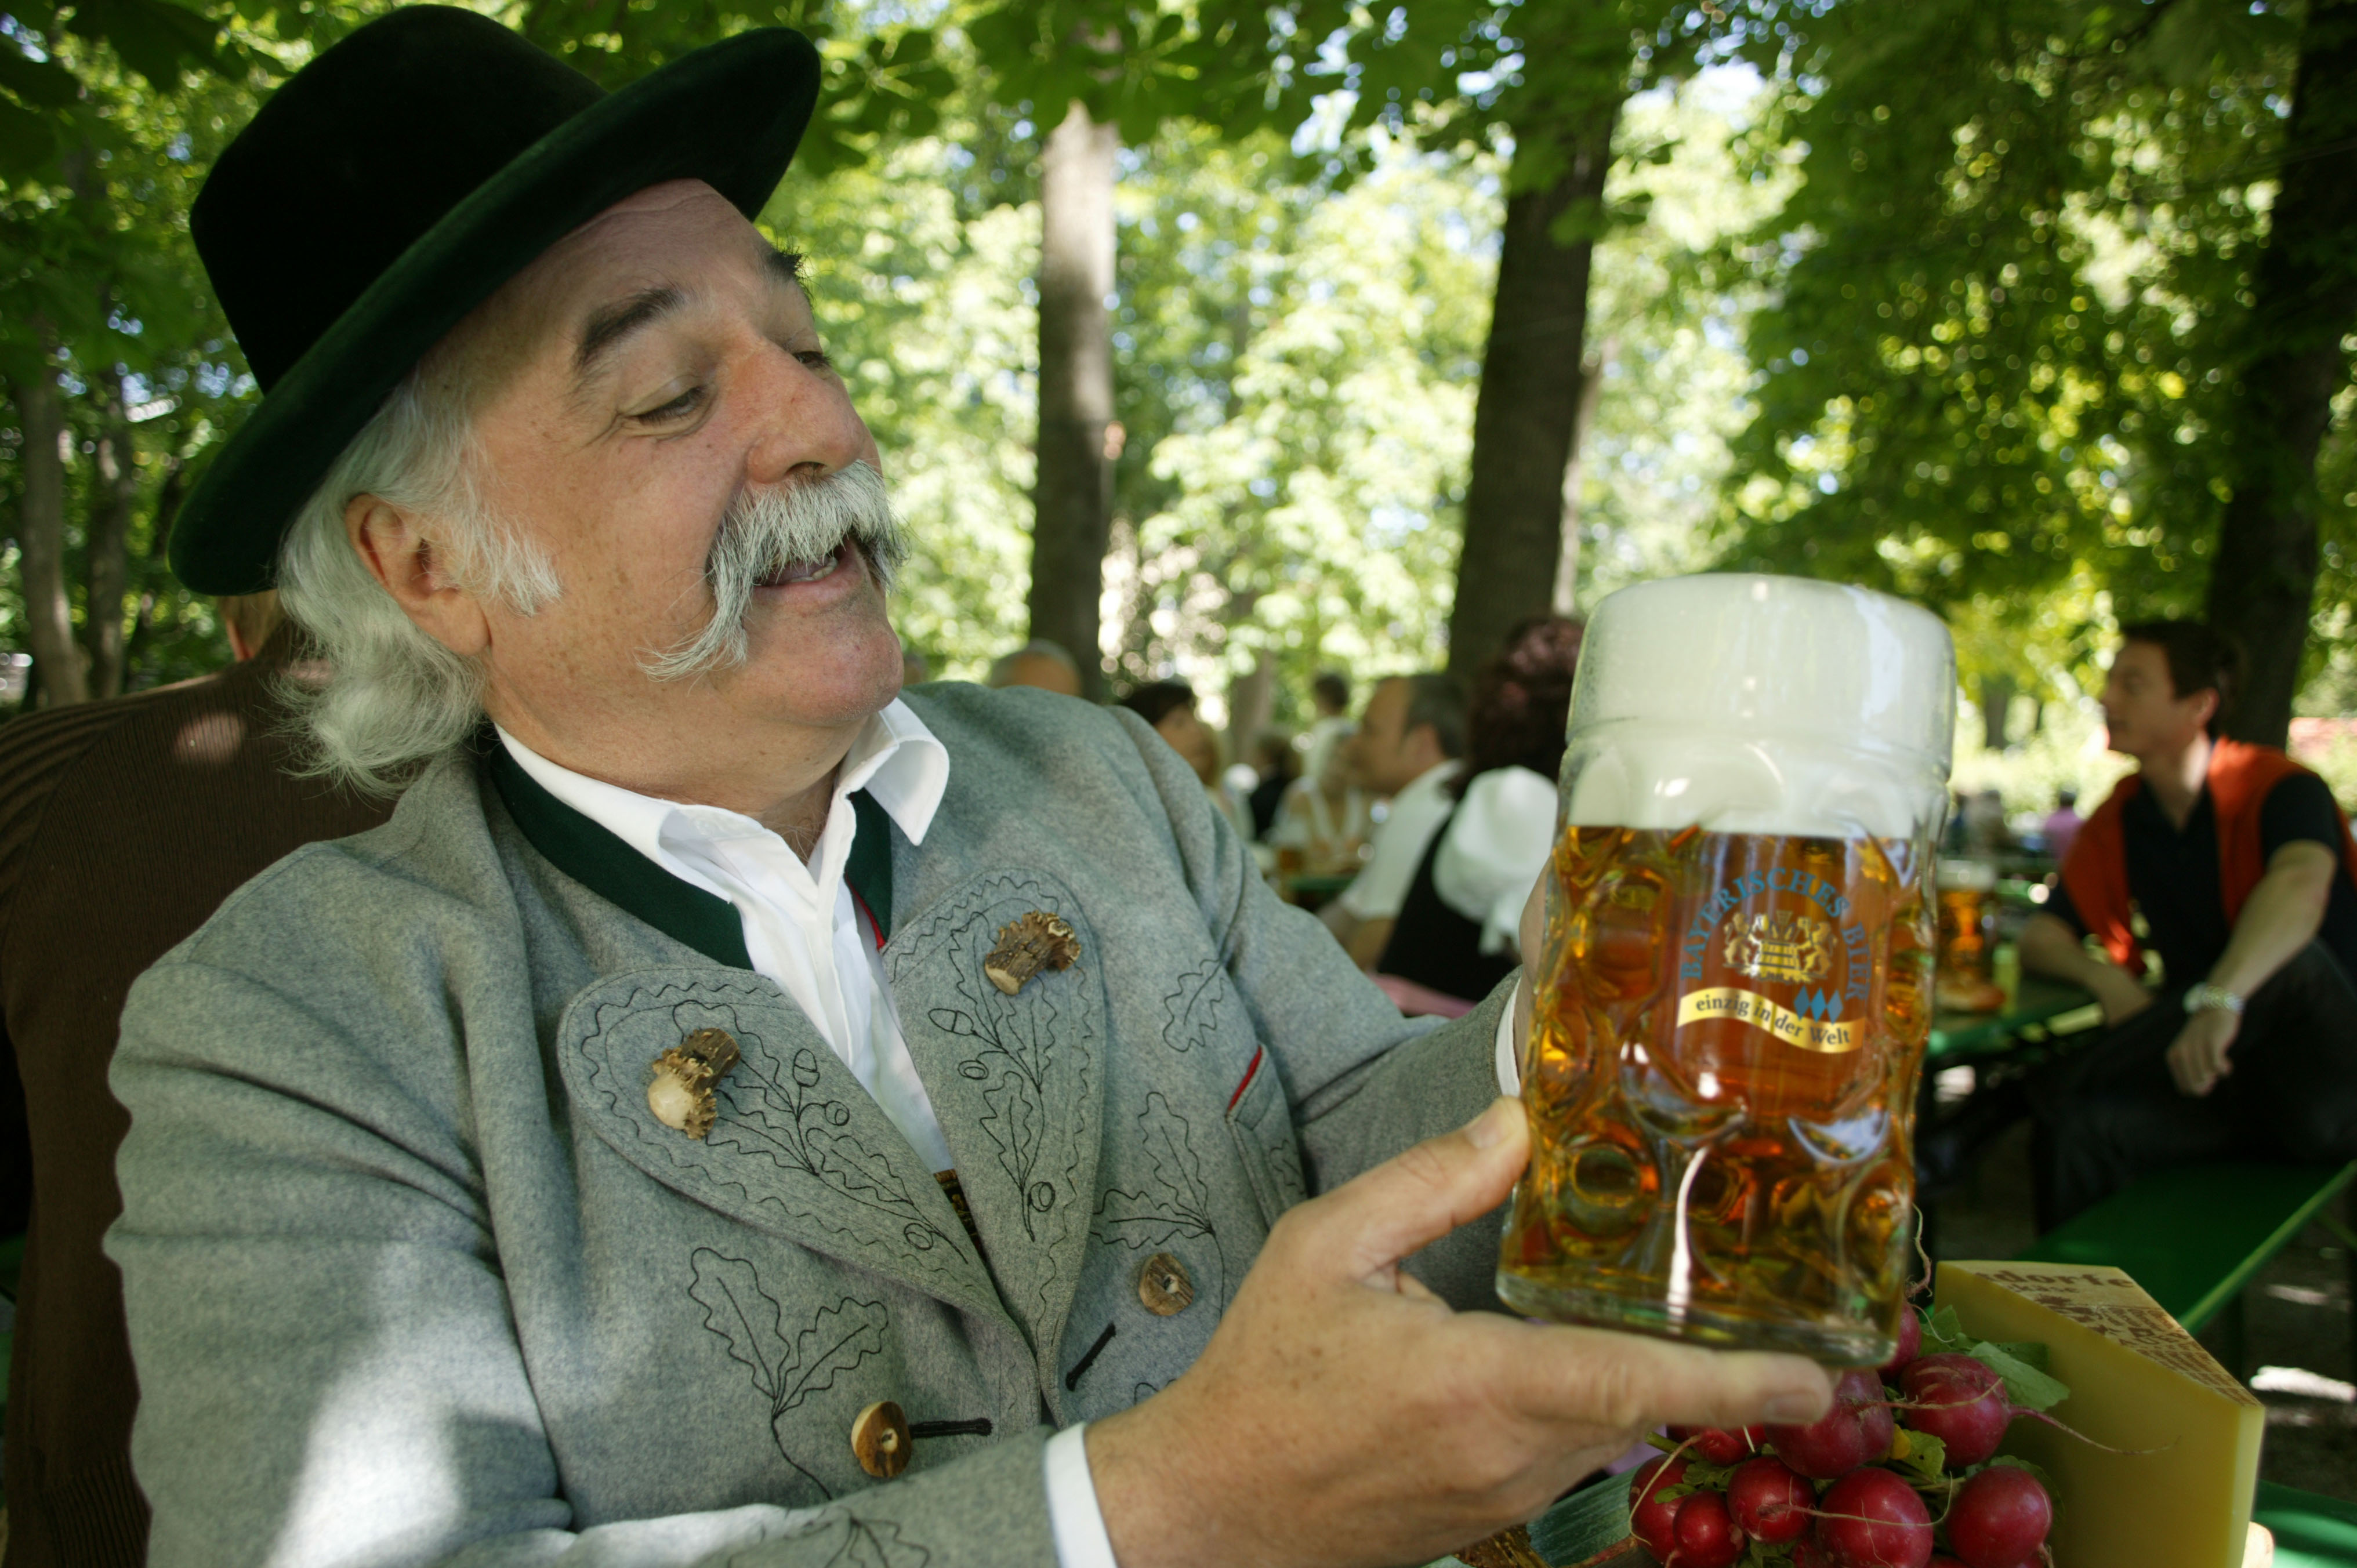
1430 780
898 761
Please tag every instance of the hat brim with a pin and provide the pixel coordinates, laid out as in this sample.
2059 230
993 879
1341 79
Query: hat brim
729 114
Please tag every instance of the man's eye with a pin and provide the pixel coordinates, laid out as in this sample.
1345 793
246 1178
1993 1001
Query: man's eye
816 359
679 407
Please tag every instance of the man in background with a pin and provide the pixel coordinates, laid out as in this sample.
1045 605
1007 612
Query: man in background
1407 747
1040 663
122 826
1330 700
2061 825
2241 865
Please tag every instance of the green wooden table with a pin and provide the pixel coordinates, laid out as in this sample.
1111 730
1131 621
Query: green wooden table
2195 1236
2310 1531
2050 1007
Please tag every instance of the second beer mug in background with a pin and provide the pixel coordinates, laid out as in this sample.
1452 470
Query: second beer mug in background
1967 894
1735 983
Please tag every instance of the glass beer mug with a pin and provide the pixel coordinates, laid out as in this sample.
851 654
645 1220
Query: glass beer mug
1967 919
1733 990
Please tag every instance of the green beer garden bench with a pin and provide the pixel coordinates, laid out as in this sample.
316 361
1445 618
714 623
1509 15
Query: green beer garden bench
2193 1237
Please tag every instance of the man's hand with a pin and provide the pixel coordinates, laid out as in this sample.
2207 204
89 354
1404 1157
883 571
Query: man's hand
2198 1057
2120 994
2050 947
1343 1415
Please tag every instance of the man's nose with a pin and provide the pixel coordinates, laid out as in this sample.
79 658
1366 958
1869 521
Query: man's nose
804 422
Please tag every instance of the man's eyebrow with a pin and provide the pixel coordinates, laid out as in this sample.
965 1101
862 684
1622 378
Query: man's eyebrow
609 325
787 267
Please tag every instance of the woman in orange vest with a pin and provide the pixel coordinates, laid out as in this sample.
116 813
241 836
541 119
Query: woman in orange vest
2241 865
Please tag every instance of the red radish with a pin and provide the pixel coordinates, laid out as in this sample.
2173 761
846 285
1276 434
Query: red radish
1942 1560
2000 1519
1769 1500
1959 1401
1651 1520
1871 1518
1806 1555
1911 1343
1855 1431
1720 1445
1706 1534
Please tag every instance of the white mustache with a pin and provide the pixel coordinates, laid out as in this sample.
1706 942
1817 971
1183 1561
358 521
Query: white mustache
768 532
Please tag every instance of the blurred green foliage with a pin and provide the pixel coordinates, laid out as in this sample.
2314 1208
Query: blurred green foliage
2006 297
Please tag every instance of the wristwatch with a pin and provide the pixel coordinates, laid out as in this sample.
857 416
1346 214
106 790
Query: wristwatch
2207 995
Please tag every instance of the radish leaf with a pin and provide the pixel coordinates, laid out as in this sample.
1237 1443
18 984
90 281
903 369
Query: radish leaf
2026 1386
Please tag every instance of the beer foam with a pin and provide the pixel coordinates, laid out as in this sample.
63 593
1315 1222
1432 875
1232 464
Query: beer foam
1741 703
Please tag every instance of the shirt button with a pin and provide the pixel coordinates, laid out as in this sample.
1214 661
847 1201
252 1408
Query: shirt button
880 1439
1163 1286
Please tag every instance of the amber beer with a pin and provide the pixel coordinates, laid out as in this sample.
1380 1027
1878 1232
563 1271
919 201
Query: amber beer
1735 984
1967 919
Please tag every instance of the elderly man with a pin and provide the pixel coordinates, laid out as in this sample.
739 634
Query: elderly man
1038 662
728 1113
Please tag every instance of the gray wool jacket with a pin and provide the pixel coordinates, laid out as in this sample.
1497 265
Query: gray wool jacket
414 1276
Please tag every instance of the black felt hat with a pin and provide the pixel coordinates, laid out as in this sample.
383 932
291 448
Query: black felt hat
392 184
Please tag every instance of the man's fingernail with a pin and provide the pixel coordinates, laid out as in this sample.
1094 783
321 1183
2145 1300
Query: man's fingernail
1487 1130
1795 1408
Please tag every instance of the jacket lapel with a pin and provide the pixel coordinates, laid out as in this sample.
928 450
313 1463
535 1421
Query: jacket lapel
797 1147
1016 1081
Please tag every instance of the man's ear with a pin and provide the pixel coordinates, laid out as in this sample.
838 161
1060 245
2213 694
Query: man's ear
405 563
2208 707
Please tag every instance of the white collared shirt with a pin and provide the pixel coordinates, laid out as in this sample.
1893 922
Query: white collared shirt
1397 849
804 930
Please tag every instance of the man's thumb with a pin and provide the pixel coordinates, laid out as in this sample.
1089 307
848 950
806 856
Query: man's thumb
1423 1193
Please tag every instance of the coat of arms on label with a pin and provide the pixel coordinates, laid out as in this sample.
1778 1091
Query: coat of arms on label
1779 946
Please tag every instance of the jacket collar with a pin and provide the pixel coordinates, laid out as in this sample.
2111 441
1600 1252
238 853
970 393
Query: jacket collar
602 862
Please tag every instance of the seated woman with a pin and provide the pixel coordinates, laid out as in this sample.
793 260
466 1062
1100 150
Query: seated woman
1326 818
1455 938
1169 707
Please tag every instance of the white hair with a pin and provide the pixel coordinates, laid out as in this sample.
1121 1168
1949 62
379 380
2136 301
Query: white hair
393 695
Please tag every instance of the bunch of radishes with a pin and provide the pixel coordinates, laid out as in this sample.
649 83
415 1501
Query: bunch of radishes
1902 1472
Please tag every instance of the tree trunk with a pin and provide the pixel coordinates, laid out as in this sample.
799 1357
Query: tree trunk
1583 420
1529 403
1251 701
2263 580
1073 498
41 537
114 490
1997 706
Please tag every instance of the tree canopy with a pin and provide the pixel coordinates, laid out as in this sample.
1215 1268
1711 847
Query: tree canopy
1966 301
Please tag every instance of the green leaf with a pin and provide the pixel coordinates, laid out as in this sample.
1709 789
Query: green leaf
155 38
1943 1332
2025 1385
2029 1352
1926 1459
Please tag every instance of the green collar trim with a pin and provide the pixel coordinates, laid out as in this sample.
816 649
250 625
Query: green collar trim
870 867
602 863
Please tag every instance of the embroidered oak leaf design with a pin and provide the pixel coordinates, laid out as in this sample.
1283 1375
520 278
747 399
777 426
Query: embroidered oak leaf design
789 1120
1176 1202
855 1543
851 1542
1190 1013
785 1372
1018 1039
